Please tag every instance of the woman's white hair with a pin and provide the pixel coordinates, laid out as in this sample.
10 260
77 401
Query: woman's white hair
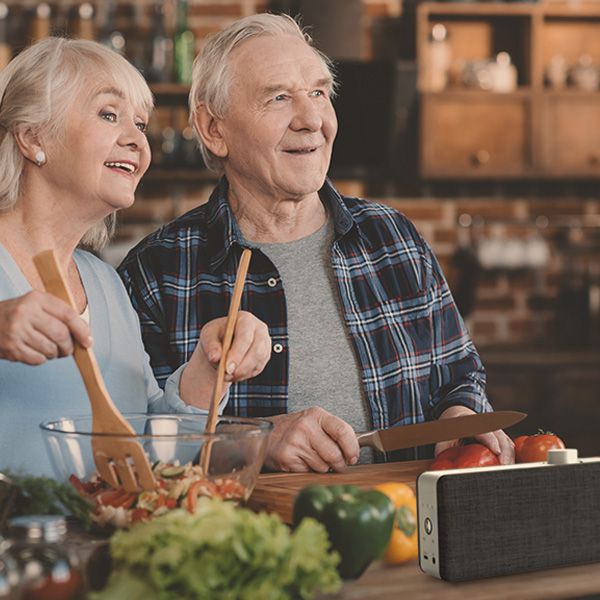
211 75
39 86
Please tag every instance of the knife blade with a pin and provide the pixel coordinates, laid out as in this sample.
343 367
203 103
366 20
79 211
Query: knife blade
430 432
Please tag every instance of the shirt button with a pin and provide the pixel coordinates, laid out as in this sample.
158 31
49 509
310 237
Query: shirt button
272 282
277 348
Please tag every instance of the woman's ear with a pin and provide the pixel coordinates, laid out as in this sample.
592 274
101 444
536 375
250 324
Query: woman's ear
29 145
209 130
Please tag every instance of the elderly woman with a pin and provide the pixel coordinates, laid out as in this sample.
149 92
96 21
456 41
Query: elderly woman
72 151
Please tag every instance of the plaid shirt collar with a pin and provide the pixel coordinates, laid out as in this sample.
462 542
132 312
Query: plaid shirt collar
224 231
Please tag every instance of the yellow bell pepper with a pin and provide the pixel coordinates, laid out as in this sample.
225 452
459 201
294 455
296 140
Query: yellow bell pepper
404 543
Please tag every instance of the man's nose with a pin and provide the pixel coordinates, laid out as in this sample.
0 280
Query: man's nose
307 115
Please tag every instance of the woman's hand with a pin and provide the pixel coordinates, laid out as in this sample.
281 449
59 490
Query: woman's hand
37 327
249 353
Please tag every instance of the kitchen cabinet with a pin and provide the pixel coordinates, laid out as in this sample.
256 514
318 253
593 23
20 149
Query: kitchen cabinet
539 130
572 133
488 133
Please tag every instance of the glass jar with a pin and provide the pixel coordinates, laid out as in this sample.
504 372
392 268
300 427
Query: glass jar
45 567
9 573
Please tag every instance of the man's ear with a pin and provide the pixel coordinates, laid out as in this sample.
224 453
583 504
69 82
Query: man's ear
27 141
208 128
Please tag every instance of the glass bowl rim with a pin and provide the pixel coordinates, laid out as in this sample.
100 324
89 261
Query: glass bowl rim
262 427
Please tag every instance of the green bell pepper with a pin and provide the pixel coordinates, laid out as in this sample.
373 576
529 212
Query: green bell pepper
359 522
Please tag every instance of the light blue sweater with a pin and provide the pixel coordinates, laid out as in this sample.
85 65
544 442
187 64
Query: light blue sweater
30 395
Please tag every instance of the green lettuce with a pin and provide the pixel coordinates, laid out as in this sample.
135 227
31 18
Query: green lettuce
220 553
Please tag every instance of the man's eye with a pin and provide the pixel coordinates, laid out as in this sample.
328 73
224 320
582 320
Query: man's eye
108 116
280 97
318 93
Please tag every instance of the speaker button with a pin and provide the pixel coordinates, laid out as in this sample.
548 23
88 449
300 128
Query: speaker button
562 456
428 526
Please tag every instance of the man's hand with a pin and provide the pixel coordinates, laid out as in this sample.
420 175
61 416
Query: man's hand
311 440
497 441
37 327
249 353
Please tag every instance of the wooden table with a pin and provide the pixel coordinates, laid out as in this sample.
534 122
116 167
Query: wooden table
407 581
275 492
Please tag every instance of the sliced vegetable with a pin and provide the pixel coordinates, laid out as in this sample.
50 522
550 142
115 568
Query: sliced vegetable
359 522
174 471
404 543
178 486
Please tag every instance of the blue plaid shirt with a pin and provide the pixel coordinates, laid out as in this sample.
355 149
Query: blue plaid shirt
415 354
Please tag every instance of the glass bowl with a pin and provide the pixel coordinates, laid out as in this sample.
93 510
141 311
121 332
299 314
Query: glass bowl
172 443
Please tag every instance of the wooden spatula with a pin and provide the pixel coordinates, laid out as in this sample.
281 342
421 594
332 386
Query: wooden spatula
119 461
236 297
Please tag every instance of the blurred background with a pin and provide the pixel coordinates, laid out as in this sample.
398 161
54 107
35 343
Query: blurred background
479 120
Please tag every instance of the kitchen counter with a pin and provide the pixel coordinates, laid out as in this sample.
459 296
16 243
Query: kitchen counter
382 582
276 492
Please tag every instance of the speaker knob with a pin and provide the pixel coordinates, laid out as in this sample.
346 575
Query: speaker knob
563 456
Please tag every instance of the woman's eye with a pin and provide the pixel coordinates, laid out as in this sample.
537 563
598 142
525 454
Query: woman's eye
280 97
143 127
108 116
318 93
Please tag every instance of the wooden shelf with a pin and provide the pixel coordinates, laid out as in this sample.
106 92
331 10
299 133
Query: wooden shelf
570 10
169 89
571 93
502 9
457 92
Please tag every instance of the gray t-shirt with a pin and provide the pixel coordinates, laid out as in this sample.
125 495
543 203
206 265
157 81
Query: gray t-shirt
324 369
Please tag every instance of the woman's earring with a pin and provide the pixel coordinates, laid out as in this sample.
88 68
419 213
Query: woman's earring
40 158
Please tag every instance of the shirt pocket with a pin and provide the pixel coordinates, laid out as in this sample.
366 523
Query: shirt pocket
405 326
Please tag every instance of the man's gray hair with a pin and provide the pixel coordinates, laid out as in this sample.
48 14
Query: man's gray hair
39 87
211 75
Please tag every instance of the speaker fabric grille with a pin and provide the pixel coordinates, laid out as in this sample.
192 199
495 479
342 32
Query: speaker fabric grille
511 521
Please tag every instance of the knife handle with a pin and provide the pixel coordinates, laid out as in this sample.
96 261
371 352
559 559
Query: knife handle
370 438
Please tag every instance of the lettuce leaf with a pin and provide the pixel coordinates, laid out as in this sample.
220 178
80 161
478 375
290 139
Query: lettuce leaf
223 553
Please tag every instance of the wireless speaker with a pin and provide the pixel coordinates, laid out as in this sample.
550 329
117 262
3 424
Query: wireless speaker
509 519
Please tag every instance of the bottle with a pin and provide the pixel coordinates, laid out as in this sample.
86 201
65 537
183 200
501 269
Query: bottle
40 26
438 63
5 49
137 38
161 59
504 74
84 22
183 46
109 34
44 564
9 573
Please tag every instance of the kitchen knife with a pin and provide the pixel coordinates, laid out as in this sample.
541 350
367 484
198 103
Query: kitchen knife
430 432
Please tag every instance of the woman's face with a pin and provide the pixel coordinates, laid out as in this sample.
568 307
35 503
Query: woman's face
103 154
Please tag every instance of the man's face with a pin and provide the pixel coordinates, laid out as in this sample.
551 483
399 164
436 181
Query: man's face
279 127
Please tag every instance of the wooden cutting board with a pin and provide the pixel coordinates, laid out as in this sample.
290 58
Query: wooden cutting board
275 492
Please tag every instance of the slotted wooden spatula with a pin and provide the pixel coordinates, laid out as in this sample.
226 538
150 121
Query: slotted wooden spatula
119 461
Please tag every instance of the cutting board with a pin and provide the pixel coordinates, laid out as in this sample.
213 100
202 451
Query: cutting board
275 492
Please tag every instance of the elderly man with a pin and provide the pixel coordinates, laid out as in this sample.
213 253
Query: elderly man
365 331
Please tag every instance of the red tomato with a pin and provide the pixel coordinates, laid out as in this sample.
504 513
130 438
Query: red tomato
139 514
116 498
519 443
535 447
463 457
